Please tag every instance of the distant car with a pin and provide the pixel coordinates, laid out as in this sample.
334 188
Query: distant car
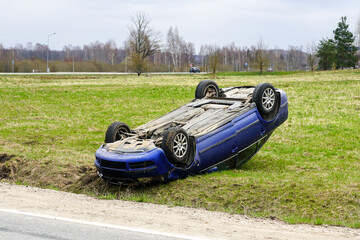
269 69
219 129
194 70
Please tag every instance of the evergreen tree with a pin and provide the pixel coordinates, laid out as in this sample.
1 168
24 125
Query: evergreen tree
345 49
327 54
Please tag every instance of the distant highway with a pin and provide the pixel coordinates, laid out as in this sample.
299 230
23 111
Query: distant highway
98 73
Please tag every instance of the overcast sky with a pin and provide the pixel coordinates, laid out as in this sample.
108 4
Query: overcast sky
279 23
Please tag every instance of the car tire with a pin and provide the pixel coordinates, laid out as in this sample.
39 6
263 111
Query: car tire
266 100
116 131
205 87
176 145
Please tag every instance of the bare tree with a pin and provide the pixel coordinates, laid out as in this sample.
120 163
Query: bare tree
214 55
232 55
295 57
67 50
190 52
202 54
181 52
2 56
311 59
357 33
143 42
40 50
357 39
29 48
1 50
19 50
260 55
173 45
95 51
278 59
110 51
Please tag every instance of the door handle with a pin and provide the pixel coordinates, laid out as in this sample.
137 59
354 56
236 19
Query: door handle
234 149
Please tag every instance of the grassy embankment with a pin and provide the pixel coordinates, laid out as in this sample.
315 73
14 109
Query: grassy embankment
308 172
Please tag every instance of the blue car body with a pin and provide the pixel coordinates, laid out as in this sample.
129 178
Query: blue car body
229 144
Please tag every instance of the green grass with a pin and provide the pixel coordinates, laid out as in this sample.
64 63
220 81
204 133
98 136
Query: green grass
308 171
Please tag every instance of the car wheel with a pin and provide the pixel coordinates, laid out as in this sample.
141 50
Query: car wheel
116 131
266 100
176 145
207 88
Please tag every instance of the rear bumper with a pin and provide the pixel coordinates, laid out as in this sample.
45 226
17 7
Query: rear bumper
131 166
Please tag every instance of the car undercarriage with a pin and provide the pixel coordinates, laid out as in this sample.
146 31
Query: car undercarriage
218 125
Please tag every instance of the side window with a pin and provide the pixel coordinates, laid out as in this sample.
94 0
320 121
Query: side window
246 155
249 152
243 156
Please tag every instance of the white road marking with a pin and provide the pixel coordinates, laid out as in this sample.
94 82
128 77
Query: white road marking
140 230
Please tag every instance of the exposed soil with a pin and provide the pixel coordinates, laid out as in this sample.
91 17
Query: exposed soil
5 157
70 177
6 169
195 223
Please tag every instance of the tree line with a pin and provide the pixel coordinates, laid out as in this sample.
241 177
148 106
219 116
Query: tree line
145 51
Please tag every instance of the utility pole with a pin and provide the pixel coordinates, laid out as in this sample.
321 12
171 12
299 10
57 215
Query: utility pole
47 52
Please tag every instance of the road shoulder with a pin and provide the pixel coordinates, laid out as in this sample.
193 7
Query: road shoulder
172 221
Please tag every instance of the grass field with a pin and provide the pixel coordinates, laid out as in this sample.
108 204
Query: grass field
308 172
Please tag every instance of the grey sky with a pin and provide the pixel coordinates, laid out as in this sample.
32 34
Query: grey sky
278 22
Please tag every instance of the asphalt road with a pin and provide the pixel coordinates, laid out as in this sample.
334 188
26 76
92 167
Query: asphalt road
21 227
34 213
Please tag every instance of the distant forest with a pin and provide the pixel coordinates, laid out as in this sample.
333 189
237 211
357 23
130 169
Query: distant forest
145 51
108 57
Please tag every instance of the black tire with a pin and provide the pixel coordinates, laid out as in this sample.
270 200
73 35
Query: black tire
116 131
205 87
176 145
266 100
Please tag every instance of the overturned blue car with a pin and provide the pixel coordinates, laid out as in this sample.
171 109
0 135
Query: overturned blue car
221 128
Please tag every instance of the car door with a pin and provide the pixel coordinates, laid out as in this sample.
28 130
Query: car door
217 146
248 129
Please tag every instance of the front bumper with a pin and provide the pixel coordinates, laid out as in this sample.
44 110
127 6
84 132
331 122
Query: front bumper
114 166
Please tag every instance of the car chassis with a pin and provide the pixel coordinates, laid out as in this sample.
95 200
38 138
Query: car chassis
219 129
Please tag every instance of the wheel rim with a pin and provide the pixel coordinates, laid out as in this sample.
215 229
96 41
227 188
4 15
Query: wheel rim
180 145
120 134
211 91
268 99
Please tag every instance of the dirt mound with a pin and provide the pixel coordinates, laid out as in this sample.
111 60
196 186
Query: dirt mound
44 174
5 157
8 165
